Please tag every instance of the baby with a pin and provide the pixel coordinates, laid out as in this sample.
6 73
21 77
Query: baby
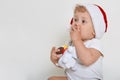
83 59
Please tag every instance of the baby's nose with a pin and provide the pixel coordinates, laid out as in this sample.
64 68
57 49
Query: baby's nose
75 25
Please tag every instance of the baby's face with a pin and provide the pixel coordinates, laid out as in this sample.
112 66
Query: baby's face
82 20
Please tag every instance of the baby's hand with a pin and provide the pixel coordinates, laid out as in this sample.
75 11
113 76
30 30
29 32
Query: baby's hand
75 33
54 57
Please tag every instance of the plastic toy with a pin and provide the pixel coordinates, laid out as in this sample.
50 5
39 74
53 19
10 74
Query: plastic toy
62 49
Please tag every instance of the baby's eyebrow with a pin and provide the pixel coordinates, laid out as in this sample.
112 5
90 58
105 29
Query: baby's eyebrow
83 17
75 17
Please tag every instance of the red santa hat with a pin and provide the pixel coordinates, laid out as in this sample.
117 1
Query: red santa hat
98 17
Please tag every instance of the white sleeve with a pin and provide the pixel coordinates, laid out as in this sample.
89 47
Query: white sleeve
95 43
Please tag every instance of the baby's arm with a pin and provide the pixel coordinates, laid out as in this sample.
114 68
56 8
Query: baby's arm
86 55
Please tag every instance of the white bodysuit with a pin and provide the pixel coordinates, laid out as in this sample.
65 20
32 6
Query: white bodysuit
75 70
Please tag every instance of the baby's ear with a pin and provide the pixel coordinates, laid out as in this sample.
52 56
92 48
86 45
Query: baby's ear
71 21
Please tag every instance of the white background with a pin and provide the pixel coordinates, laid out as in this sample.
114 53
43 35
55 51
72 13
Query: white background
29 28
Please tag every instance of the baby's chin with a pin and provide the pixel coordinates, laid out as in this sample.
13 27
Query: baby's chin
86 39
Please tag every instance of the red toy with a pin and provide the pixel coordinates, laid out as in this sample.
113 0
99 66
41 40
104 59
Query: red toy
62 49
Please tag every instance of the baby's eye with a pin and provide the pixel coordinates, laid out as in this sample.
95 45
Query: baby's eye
75 20
83 21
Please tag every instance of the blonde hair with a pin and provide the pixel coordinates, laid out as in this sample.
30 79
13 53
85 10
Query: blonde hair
79 8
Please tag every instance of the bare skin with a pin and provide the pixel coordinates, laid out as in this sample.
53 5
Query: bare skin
54 57
58 78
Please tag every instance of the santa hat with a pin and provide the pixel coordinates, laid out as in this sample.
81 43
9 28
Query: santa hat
98 17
